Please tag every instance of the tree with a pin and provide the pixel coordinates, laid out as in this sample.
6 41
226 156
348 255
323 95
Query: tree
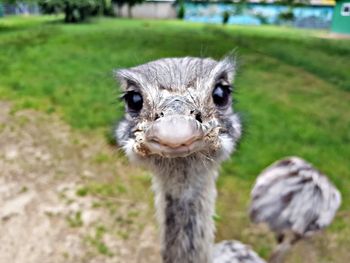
225 17
107 7
74 10
181 10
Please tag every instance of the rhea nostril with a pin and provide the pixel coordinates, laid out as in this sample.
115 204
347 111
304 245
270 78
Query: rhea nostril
199 117
157 116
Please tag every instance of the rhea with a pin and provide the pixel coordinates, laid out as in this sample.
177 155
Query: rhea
295 200
181 124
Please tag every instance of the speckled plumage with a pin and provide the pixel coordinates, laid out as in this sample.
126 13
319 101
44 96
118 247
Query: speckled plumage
295 200
292 195
235 252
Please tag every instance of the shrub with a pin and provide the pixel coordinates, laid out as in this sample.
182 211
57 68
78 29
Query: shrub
286 15
263 19
225 17
181 11
74 10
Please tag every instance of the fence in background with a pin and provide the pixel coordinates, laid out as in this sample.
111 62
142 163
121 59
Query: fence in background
256 14
249 14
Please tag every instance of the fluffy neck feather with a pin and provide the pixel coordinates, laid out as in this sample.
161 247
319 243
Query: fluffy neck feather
185 197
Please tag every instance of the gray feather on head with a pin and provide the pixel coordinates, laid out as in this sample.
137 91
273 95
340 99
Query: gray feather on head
183 89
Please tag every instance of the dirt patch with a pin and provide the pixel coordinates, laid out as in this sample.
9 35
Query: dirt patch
65 197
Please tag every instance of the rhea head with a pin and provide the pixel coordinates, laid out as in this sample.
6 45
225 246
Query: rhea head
179 108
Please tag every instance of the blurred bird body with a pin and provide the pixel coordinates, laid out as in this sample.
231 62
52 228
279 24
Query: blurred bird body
294 199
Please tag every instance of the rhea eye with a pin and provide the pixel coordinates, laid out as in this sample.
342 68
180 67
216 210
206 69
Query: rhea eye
221 94
134 100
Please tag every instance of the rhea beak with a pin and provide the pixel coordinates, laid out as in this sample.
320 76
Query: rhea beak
175 136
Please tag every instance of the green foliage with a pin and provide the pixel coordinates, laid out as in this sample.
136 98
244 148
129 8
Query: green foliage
75 220
286 15
75 10
83 191
262 18
96 240
14 2
240 7
104 190
181 11
294 2
107 7
225 17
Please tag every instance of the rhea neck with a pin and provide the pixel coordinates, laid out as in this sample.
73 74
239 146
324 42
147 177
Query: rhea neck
185 198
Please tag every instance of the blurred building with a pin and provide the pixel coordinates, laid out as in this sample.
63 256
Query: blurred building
317 14
341 17
308 16
155 9
20 8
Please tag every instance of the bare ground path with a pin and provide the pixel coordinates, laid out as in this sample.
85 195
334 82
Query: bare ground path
59 198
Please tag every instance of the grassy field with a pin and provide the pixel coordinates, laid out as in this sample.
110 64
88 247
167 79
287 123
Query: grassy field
293 93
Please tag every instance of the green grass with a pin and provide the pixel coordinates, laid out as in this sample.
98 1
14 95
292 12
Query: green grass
293 91
97 242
